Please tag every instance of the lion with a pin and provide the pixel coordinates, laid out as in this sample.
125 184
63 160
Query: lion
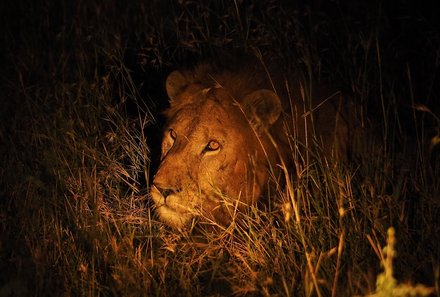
229 129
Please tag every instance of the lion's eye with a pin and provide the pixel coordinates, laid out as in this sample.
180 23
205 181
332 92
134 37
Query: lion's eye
173 134
212 146
168 141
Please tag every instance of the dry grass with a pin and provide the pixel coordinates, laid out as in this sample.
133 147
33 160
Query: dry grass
75 219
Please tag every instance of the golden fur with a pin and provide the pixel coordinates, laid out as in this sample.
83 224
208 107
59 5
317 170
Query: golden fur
227 126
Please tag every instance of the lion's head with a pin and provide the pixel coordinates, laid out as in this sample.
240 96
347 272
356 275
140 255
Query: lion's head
215 148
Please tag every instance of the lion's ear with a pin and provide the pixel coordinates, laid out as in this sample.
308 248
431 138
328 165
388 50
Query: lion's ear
262 107
175 84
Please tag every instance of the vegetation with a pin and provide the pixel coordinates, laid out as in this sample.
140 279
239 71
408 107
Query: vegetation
82 87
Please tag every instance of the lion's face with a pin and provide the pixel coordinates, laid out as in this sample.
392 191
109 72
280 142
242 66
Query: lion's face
213 161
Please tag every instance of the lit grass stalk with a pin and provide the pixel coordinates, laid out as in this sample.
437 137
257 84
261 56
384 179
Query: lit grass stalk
297 218
386 284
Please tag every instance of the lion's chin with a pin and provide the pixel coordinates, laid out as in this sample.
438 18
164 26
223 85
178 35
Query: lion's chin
173 218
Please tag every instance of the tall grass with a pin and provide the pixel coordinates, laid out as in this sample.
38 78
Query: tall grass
75 217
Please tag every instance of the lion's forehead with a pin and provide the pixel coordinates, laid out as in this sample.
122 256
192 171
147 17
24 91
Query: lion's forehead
199 132
206 117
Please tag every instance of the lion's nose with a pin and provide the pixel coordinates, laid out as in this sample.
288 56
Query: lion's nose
166 191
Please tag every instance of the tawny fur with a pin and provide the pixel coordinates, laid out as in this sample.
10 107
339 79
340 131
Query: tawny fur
257 118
